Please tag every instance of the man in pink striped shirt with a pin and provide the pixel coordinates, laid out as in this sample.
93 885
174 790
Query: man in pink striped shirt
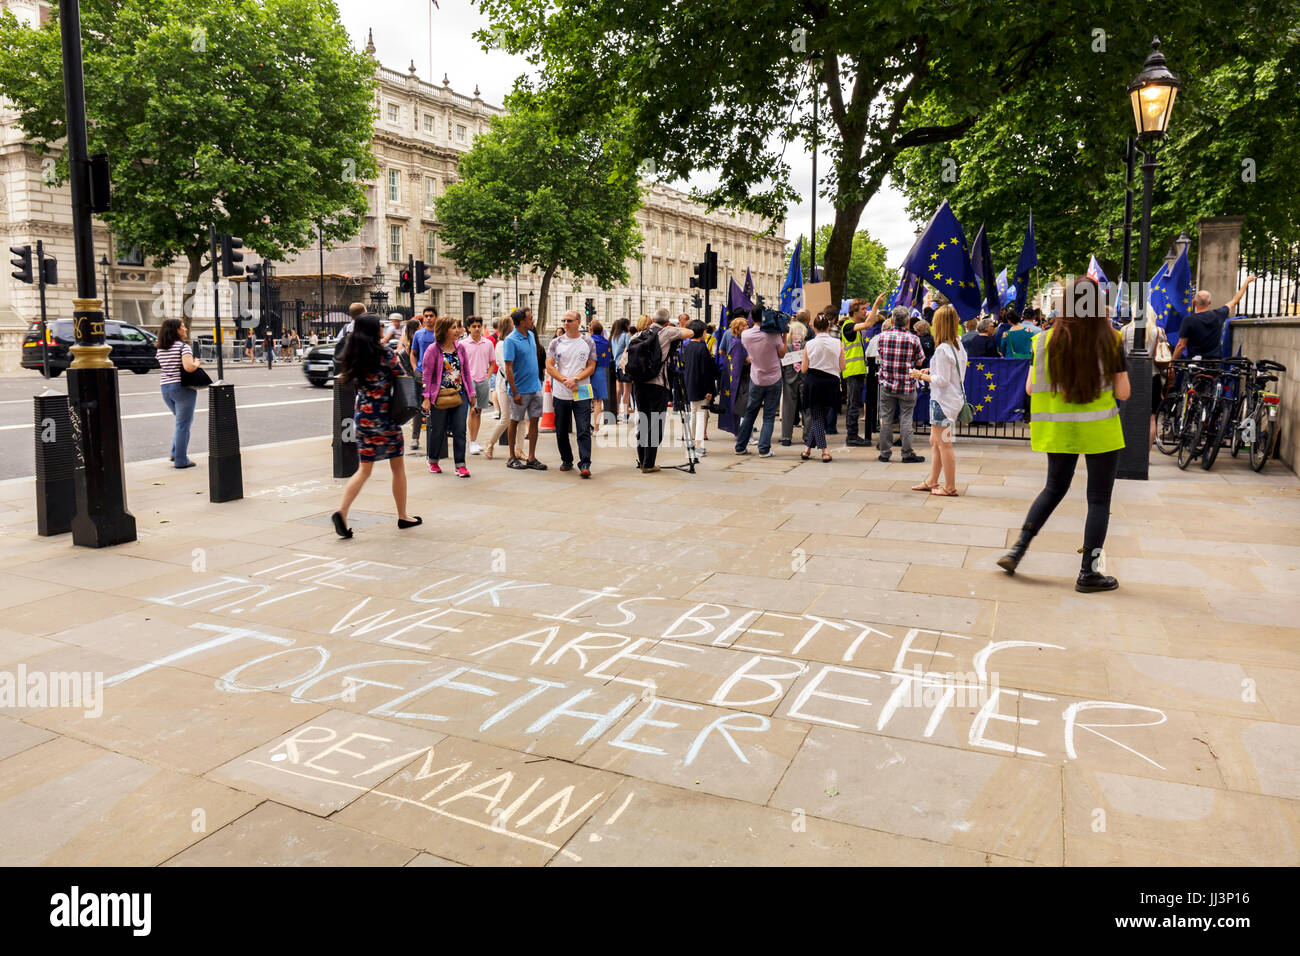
481 354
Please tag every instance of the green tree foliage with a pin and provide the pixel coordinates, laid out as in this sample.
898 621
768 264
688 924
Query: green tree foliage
1057 143
867 275
573 192
255 115
725 85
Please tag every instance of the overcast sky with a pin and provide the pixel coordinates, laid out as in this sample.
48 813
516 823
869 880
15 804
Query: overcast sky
402 35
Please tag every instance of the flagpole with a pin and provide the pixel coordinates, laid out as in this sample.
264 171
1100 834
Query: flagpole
430 41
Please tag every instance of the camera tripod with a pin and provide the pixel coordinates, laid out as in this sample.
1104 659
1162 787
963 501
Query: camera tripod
677 394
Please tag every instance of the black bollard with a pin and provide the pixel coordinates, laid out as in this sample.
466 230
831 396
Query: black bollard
56 500
345 439
225 466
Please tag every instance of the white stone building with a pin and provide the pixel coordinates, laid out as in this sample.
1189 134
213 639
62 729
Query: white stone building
421 129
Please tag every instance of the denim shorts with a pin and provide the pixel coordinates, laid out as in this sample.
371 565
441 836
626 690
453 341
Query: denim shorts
937 417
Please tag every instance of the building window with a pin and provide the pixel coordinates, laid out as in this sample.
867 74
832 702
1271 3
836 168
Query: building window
437 301
460 134
394 113
394 243
496 303
568 303
429 122
627 309
129 257
430 192
654 272
431 248
394 186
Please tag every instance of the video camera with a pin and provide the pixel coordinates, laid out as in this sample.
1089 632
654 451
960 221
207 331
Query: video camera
770 320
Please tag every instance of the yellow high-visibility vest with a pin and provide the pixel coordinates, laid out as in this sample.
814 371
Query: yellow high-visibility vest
855 362
1060 426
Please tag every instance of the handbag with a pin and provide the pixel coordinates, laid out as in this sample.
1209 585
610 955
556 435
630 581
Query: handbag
967 414
1163 354
405 402
448 398
198 378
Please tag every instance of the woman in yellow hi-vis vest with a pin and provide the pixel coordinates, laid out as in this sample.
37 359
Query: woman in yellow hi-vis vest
1077 374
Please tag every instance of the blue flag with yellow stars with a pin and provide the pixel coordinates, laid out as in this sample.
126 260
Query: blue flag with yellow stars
1171 296
731 369
1028 260
749 285
942 258
995 389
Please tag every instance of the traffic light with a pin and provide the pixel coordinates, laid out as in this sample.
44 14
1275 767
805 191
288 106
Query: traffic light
697 280
254 273
591 309
50 271
696 301
421 276
231 257
711 269
22 263
404 281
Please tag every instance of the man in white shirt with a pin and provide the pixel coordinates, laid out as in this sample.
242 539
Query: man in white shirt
792 376
570 362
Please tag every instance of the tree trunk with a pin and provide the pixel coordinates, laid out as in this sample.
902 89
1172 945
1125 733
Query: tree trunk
195 256
544 300
840 249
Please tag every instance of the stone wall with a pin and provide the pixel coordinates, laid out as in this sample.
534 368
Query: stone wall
1277 339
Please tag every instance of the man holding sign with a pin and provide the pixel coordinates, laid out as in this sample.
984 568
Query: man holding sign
570 361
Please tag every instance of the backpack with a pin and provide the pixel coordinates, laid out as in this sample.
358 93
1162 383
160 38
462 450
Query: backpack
644 357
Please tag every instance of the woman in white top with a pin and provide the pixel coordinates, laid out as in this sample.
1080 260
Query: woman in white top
822 363
174 354
504 327
947 376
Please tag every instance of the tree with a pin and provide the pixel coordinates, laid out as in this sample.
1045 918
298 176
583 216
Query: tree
253 115
867 275
1233 144
725 85
574 195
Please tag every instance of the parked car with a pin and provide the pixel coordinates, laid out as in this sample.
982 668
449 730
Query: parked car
318 366
134 348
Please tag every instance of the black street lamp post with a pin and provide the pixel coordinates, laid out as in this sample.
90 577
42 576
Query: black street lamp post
1152 93
514 254
99 476
1130 153
103 265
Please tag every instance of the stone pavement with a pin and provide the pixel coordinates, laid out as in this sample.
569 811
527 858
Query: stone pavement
770 662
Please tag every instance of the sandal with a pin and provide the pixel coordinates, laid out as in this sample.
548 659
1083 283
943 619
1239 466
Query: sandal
945 492
924 487
827 457
807 452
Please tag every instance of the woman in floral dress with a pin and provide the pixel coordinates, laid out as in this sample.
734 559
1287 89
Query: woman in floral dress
371 369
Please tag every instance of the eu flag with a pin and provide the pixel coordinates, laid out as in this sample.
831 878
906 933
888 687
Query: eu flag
942 257
1006 293
731 368
1171 296
981 260
792 291
749 285
1028 260
905 292
995 389
737 299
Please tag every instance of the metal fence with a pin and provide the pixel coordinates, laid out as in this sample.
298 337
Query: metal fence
1276 289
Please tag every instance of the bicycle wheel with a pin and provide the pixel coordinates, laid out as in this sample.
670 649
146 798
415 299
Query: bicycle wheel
1215 436
1265 438
1238 417
1190 437
1167 426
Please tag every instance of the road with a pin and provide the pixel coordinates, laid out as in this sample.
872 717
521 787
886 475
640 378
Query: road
275 405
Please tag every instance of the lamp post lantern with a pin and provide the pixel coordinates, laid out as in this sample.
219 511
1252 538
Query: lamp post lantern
1152 93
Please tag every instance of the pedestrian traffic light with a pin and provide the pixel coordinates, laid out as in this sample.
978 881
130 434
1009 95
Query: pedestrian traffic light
230 256
22 263
591 309
696 301
50 271
404 281
421 276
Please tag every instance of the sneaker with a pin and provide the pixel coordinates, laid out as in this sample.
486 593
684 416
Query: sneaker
742 451
913 459
785 443
434 468
415 446
516 463
649 471
586 473
767 454
883 456
701 452
534 464
462 471
566 466
854 441
475 448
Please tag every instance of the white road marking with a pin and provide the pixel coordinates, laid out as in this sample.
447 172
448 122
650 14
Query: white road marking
24 401
300 401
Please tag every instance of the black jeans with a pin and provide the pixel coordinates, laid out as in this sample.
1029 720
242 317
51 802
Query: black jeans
567 412
1101 482
651 408
853 411
441 421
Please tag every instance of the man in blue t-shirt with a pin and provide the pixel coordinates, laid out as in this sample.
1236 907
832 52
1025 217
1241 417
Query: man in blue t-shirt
423 338
524 383
1202 330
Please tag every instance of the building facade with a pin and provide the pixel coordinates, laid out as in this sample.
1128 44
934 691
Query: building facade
421 129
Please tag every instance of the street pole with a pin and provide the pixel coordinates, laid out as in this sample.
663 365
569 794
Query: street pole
99 477
640 278
216 306
812 241
1130 152
320 237
514 254
45 338
1135 458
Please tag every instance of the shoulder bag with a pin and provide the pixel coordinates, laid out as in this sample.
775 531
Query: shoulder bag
198 378
405 400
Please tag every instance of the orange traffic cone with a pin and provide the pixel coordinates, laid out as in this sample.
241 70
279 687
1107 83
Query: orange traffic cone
548 409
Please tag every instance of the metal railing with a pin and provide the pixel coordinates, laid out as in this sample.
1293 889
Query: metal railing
1276 289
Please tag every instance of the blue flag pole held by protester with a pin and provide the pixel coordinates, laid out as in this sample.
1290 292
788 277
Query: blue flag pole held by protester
792 291
942 257
1171 296
981 260
1028 260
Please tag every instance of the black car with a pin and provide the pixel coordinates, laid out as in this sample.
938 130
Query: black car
134 348
318 366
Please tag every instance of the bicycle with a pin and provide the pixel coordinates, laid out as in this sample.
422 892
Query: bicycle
1258 428
1193 410
1225 410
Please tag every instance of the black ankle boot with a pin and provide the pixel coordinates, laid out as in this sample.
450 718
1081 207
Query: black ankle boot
1011 560
1090 581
